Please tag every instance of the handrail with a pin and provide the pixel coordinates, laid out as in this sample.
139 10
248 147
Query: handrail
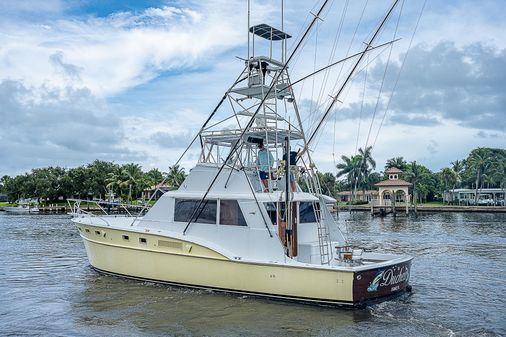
76 209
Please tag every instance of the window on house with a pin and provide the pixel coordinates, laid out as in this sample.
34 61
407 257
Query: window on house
230 213
185 208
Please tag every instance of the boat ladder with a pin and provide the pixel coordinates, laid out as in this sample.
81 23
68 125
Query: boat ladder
314 188
323 234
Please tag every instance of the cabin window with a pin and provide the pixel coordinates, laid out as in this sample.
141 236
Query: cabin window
231 214
307 212
125 237
184 209
143 241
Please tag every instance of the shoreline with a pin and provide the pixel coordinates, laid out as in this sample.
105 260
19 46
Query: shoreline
400 210
427 209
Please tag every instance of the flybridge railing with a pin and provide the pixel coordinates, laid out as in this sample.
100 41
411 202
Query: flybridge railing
103 208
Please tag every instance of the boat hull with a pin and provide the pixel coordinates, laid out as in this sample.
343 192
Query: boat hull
187 264
20 210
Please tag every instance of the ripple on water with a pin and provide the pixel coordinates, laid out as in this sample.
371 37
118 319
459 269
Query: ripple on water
48 288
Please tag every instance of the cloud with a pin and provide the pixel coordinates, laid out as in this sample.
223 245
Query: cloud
463 84
171 140
432 147
67 69
122 50
444 82
44 126
121 81
487 135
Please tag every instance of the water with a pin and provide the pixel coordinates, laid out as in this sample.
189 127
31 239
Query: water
48 288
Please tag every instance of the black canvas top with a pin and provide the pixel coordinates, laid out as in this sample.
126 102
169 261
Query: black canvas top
268 32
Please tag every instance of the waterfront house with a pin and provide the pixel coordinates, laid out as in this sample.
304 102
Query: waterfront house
365 196
467 196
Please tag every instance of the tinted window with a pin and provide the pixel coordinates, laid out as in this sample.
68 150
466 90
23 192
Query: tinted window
184 209
271 210
306 212
230 213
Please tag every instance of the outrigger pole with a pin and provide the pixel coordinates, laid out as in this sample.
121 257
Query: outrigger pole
194 138
252 119
355 66
339 62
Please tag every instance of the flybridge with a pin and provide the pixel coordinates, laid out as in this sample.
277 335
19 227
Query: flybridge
261 107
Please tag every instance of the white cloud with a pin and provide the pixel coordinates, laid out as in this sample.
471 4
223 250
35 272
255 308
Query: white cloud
140 83
433 146
122 50
43 126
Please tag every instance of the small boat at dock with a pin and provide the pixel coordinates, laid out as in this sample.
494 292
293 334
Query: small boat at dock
21 209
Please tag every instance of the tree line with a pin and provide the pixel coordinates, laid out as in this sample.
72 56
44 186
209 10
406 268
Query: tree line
100 179
484 167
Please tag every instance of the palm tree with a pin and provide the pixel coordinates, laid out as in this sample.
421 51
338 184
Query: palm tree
413 175
4 181
457 168
397 162
368 164
500 174
114 180
351 169
176 176
447 177
154 176
479 162
132 177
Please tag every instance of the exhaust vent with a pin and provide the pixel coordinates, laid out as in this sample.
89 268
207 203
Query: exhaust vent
170 244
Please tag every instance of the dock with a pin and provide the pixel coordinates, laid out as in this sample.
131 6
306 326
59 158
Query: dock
379 210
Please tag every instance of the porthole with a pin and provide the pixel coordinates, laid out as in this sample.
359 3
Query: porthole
87 230
125 237
98 233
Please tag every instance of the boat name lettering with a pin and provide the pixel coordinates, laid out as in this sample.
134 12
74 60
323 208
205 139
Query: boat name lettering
390 278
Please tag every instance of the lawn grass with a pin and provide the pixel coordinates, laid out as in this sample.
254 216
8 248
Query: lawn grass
433 204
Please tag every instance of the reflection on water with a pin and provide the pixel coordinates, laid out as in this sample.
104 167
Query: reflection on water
48 288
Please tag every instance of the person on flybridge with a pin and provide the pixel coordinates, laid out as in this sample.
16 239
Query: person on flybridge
264 163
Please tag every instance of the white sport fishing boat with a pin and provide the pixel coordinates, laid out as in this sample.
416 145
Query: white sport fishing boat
224 230
22 208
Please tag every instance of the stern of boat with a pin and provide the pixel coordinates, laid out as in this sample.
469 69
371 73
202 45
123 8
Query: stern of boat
377 284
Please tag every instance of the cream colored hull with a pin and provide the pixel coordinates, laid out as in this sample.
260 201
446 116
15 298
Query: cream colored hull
173 261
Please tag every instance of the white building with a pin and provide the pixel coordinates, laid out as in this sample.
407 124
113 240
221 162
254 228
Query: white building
467 196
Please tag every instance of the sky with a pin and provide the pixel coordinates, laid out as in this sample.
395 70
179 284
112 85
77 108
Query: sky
133 81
